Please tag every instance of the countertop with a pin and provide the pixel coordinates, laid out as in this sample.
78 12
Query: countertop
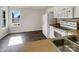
44 45
73 32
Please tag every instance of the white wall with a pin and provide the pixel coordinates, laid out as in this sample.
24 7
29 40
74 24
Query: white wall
31 20
4 31
76 11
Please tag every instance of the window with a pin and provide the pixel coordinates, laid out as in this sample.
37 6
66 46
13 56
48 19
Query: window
4 19
15 16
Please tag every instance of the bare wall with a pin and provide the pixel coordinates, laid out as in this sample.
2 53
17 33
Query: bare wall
31 20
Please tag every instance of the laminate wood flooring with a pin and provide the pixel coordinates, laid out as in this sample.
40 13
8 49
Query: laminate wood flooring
13 42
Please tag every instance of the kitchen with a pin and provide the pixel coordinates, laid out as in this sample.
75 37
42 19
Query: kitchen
39 29
60 24
54 29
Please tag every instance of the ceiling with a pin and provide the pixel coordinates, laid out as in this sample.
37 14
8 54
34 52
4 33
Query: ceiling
33 7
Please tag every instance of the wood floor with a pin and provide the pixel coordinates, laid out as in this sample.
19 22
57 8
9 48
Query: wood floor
9 43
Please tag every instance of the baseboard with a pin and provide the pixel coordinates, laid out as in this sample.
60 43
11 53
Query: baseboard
4 35
25 31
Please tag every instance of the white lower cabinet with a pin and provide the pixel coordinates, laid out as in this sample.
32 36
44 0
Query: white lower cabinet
52 32
59 31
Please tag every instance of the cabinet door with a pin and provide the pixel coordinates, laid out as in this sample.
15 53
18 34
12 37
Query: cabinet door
49 10
69 12
76 12
63 12
52 32
56 10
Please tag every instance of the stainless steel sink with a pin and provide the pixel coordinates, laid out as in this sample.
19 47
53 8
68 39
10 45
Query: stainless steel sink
74 39
65 45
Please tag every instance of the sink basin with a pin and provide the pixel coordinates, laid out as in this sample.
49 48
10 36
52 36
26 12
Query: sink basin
65 45
75 39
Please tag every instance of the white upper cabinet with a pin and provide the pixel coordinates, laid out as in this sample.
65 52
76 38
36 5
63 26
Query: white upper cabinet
76 12
63 12
49 10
